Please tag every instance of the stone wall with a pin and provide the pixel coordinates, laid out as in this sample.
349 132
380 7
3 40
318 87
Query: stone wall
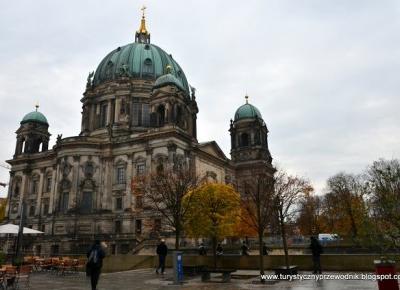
329 262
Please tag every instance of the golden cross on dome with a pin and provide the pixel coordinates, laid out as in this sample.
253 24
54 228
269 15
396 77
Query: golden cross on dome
37 106
143 9
247 99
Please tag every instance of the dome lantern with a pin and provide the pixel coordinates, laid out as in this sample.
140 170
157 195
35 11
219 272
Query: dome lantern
142 35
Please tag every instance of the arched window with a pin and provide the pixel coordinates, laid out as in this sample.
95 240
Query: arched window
161 115
148 67
244 139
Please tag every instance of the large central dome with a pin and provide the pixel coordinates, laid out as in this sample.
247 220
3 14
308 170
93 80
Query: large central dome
139 61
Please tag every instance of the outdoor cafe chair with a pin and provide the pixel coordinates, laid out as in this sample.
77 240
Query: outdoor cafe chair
11 277
24 274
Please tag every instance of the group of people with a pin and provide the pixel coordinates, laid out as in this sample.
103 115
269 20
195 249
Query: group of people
97 253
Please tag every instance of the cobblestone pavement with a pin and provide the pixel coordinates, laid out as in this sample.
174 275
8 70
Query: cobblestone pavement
147 279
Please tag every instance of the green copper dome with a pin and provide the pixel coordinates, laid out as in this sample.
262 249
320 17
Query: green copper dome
35 117
139 61
247 111
168 79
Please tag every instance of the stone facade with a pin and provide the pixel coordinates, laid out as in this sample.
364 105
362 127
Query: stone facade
131 124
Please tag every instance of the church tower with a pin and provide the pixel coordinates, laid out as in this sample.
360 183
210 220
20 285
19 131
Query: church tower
33 135
249 136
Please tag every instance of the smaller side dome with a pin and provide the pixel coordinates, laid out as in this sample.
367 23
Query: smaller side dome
168 79
247 111
35 117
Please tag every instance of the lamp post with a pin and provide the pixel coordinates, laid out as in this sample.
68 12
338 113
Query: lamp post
18 247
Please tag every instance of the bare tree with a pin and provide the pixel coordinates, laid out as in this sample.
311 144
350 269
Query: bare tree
256 205
288 190
384 191
165 191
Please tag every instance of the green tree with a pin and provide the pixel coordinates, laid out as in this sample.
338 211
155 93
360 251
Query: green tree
213 212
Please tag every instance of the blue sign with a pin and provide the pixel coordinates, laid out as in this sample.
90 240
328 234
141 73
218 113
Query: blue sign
179 266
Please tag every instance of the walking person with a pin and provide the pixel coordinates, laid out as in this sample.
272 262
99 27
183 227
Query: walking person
265 249
162 251
244 249
220 251
95 261
202 250
316 250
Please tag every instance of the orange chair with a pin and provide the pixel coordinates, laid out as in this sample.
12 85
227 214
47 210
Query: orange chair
24 274
11 277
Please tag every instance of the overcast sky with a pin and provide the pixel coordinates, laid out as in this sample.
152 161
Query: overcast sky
324 74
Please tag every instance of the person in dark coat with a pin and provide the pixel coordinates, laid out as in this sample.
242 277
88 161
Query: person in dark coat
95 261
245 249
316 250
202 250
265 249
162 251
220 250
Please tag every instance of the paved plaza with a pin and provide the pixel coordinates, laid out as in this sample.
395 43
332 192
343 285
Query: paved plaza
147 279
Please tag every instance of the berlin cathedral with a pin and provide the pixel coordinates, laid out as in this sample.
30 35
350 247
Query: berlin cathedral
138 111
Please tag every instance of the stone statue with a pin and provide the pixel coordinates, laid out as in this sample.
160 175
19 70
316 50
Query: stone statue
59 137
90 79
124 71
193 90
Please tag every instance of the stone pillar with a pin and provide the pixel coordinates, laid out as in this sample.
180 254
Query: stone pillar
54 189
24 189
128 203
108 112
105 201
40 191
10 188
73 195
117 110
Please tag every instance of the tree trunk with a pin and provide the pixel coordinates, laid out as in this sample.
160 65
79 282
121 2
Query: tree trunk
285 248
177 236
214 242
261 257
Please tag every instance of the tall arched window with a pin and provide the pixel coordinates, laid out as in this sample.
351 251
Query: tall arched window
244 139
161 115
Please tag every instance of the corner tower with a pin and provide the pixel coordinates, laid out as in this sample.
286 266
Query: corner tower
249 136
33 135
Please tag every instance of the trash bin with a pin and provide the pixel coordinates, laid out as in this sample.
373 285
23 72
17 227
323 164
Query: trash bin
386 267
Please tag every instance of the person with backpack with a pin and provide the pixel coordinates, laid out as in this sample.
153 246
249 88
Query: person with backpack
162 251
316 250
95 261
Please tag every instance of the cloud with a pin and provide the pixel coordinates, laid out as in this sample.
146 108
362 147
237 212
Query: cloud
324 74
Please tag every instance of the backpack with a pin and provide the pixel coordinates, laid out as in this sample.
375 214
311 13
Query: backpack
93 259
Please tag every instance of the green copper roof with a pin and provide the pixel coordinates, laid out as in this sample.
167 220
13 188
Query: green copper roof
139 61
168 79
35 117
247 111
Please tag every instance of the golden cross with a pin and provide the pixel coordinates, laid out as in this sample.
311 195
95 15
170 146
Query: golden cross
247 99
143 9
37 106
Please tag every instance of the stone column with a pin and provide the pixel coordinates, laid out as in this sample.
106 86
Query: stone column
129 175
105 202
117 109
73 195
109 112
24 188
53 188
40 191
10 188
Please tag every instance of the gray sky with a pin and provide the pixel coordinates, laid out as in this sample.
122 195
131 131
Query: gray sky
324 74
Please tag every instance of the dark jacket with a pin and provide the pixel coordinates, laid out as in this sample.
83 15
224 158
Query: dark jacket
162 249
315 247
95 255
